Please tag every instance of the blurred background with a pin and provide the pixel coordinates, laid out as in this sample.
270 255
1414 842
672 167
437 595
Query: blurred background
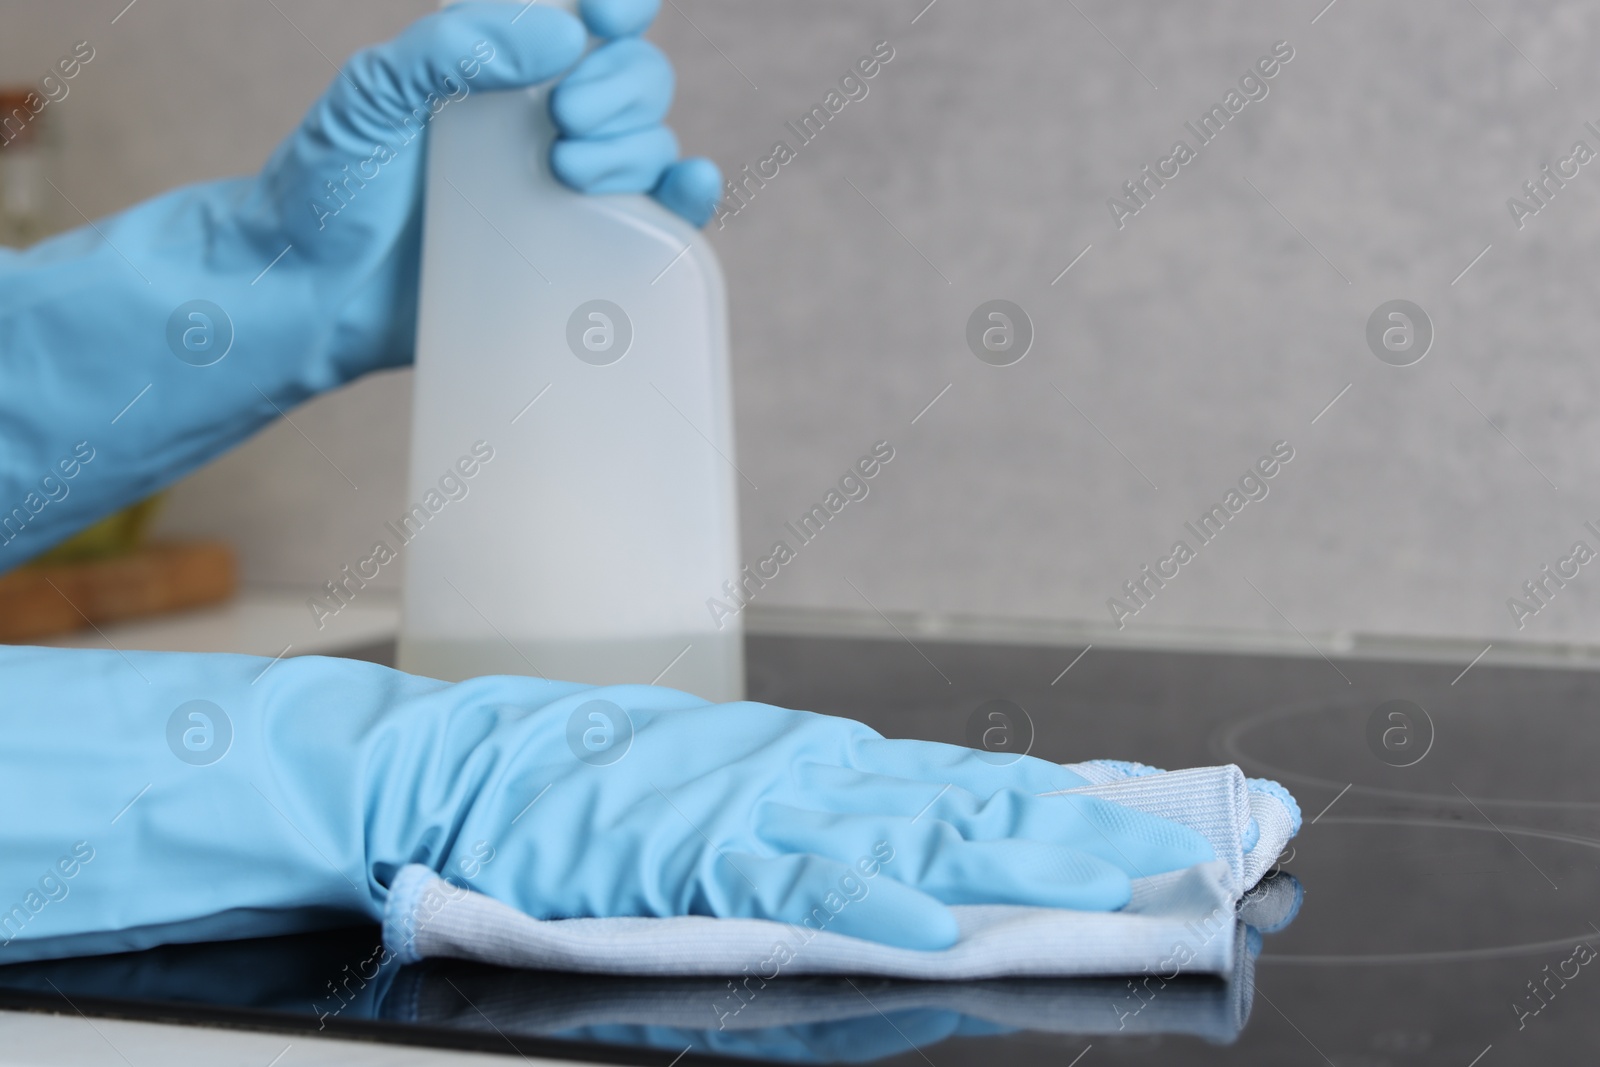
1172 347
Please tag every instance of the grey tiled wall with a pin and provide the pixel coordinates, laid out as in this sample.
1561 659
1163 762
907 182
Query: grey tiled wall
1221 318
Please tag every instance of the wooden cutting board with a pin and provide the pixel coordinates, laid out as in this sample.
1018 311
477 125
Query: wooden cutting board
44 599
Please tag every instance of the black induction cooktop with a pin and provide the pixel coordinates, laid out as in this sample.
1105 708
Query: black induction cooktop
1450 869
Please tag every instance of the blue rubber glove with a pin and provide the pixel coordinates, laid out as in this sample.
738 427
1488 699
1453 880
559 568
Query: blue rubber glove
137 348
292 793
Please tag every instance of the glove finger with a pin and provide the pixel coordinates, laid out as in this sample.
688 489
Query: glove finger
933 857
825 894
1135 842
618 18
692 188
618 88
846 790
977 772
468 47
631 163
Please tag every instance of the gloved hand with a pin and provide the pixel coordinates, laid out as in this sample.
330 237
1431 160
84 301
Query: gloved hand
156 339
293 794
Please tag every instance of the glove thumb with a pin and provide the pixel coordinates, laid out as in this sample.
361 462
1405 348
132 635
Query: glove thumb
373 116
466 48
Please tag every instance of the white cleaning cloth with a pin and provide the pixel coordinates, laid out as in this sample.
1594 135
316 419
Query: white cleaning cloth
1182 921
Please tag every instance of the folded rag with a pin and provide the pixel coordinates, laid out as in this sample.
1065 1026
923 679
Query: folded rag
1178 922
830 1018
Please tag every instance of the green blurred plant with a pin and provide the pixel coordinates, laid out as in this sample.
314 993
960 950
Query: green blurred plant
114 535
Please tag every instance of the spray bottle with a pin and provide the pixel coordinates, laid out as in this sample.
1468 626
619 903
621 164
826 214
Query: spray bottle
572 496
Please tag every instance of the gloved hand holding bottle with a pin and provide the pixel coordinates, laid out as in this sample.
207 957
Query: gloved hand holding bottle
198 797
154 340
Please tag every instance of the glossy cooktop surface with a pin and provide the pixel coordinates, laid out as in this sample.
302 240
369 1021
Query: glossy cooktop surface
1450 866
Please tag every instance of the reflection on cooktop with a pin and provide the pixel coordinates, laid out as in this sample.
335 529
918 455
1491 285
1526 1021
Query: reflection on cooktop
1450 863
333 983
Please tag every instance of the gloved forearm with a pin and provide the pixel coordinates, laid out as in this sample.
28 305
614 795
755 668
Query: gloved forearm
105 395
196 797
283 801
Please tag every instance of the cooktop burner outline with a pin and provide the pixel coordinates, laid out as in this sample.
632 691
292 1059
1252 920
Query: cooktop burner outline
1228 743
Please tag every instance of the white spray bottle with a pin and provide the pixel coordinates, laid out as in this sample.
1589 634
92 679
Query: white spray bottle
572 355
